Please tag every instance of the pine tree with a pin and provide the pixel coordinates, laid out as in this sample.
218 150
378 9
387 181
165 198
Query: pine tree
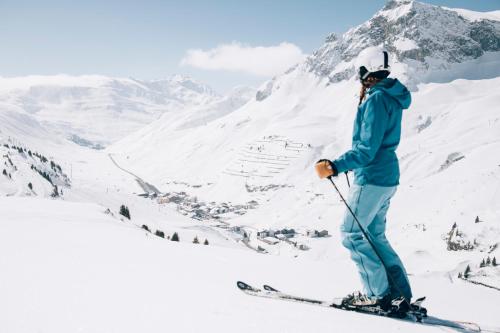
494 261
459 275
205 242
488 261
55 192
4 172
124 211
175 237
467 272
195 240
160 233
30 186
477 219
145 227
482 264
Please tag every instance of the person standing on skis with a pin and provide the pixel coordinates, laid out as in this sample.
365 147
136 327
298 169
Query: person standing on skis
376 135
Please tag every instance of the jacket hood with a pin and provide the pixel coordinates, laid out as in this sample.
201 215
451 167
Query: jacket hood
395 89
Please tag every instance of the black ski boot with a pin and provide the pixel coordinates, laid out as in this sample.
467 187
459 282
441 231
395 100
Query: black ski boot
399 307
363 302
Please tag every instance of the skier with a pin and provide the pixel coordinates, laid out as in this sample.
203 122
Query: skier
376 135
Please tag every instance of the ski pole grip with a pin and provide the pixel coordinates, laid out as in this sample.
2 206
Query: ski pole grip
324 169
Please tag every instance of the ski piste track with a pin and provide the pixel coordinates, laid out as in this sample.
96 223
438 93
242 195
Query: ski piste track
456 325
148 188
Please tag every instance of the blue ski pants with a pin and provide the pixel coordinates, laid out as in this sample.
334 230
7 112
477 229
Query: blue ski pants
370 204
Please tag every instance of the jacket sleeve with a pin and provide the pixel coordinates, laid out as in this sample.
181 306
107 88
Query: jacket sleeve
371 134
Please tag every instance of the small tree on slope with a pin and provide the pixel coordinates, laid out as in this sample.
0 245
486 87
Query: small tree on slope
467 272
124 211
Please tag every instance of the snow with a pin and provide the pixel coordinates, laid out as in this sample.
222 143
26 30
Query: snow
210 163
459 117
401 10
71 268
96 110
477 16
405 44
422 39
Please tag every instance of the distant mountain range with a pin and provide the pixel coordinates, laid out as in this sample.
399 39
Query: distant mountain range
97 110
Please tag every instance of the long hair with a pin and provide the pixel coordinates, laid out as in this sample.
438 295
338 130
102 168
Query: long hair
362 94
365 85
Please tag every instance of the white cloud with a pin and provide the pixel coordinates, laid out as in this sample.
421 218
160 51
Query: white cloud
259 60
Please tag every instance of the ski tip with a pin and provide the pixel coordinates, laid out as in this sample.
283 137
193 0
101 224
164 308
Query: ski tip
269 288
243 286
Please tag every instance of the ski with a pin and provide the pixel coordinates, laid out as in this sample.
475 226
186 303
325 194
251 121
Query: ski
270 292
417 313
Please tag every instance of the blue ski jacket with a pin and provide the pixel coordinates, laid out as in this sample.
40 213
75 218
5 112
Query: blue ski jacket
376 135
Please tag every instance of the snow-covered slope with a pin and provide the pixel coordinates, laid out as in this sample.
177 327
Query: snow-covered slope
69 267
95 110
477 16
265 150
32 154
26 172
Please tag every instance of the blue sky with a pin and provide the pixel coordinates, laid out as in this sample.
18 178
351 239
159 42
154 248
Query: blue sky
148 39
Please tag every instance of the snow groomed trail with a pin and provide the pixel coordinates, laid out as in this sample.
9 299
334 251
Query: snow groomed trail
148 188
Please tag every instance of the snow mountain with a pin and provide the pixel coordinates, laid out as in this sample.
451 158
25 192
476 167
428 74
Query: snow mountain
95 111
427 43
27 173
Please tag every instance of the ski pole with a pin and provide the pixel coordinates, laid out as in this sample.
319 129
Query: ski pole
365 234
347 177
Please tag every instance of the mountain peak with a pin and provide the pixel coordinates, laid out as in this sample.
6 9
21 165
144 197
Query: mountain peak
182 82
421 39
391 4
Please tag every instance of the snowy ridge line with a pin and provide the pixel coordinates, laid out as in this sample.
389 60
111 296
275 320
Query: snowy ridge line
480 283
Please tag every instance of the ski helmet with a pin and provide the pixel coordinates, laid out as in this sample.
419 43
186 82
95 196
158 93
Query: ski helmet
376 69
